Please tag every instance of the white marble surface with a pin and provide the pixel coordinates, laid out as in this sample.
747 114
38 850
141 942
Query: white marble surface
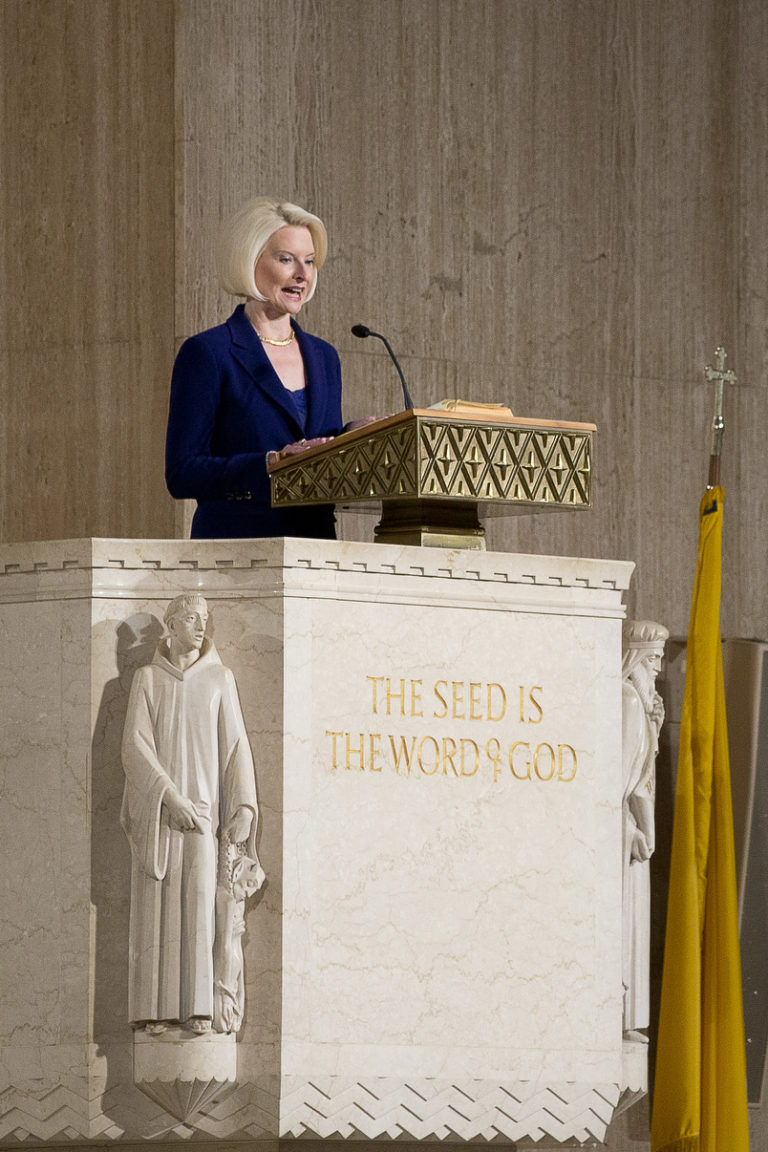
452 917
413 926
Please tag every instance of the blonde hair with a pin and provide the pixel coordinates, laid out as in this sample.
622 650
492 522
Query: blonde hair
244 236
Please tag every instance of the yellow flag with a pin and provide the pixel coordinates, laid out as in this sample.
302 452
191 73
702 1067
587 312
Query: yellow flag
700 1092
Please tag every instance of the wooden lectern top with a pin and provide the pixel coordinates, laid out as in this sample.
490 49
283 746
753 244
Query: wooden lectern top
438 454
488 415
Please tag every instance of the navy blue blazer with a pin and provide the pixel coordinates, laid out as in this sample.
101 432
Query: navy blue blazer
228 409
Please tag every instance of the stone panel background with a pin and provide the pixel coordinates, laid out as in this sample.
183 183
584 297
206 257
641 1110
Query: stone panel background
559 204
86 263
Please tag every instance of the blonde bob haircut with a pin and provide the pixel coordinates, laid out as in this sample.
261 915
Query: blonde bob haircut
244 237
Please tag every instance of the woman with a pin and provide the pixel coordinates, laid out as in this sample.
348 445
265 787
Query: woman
256 388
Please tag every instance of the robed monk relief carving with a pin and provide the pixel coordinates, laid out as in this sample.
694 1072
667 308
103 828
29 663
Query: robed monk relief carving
190 814
642 718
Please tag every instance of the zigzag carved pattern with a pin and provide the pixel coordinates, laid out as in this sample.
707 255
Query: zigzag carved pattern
61 1115
471 1110
54 1115
327 1107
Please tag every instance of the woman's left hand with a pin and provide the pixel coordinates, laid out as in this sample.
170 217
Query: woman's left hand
353 424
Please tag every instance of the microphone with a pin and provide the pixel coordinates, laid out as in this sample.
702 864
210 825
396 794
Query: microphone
361 331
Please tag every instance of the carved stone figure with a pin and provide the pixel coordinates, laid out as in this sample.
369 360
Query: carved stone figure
190 796
239 877
642 717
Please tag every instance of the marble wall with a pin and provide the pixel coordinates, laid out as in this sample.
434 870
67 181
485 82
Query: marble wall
86 261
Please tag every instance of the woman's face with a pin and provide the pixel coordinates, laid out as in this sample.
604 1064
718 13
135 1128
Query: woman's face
285 270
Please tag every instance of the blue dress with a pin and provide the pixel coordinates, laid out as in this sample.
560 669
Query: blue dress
228 409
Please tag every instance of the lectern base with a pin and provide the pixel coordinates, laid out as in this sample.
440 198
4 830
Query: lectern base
431 523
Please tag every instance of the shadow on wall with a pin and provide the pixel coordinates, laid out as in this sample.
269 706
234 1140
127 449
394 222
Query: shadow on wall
670 684
137 639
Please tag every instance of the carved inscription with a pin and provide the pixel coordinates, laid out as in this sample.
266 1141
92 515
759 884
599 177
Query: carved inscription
460 752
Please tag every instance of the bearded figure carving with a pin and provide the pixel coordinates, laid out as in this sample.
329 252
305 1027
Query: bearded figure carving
642 717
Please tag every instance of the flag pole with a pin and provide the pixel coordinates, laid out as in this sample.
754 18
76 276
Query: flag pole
700 1093
720 377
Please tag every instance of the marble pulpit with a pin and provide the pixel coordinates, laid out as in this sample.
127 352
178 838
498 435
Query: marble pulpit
436 736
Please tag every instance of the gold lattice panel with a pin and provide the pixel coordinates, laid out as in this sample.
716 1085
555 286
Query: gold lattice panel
482 462
446 459
381 465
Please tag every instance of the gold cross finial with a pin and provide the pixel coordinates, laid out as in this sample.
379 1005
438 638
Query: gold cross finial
720 377
719 373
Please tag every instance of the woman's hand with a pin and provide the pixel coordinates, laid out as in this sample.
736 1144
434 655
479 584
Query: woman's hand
302 445
295 448
351 425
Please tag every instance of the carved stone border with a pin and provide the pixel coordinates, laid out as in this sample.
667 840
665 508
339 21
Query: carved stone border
442 1109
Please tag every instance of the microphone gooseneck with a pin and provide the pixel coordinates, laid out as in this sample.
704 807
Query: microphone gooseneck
362 331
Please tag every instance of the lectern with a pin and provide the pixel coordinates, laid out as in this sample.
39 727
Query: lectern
435 470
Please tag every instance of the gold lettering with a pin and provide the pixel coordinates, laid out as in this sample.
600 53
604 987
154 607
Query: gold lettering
475 707
360 752
455 757
374 697
537 706
536 754
520 744
441 715
402 753
457 698
416 698
422 742
464 742
396 696
522 704
502 703
493 752
560 749
335 736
